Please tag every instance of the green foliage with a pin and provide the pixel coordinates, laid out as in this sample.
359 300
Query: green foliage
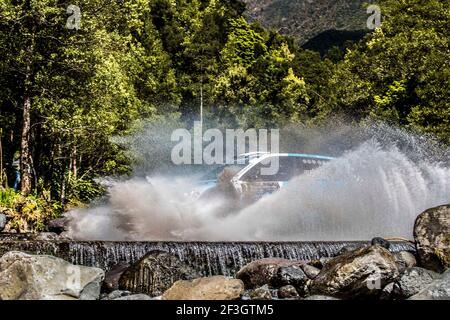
400 73
83 191
8 197
86 85
27 214
258 86
244 45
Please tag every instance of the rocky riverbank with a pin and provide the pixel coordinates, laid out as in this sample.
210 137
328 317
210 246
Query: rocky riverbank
368 272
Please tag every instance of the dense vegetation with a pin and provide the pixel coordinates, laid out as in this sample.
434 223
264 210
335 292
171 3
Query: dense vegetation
66 92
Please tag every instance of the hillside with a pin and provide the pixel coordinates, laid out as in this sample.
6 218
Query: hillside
306 19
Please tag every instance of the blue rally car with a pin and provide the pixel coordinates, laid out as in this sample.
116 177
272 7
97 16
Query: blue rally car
246 179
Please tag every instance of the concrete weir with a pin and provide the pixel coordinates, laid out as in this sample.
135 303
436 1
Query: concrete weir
209 258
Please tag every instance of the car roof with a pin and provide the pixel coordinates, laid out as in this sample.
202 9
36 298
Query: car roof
256 156
314 156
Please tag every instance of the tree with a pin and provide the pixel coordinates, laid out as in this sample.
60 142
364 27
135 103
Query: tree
76 88
401 72
258 86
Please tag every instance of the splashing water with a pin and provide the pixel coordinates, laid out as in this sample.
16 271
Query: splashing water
366 193
376 189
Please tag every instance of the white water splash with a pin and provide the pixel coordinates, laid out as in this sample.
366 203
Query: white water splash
371 191
366 193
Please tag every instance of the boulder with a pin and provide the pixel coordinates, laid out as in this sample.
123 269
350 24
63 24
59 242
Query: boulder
381 242
413 280
115 295
343 250
316 263
261 293
92 290
211 288
404 260
294 276
432 236
439 289
2 221
40 277
310 271
363 272
265 271
391 292
319 263
112 277
288 292
155 273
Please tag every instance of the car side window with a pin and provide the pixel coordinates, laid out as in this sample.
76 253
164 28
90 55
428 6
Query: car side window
289 167
285 172
307 164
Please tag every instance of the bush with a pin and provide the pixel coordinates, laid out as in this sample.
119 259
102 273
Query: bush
27 214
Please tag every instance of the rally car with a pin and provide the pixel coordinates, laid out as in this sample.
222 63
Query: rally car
246 181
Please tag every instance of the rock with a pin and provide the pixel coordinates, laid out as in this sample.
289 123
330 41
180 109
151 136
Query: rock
264 271
116 294
439 289
310 271
155 273
413 280
2 221
391 292
39 277
319 263
287 292
246 295
344 250
363 272
316 263
58 226
261 293
320 297
135 297
381 242
112 277
432 236
212 288
404 260
294 276
92 290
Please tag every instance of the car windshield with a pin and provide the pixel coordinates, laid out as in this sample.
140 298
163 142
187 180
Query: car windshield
213 174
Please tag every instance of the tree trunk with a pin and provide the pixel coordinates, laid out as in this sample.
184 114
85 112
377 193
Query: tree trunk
63 183
74 162
25 153
25 165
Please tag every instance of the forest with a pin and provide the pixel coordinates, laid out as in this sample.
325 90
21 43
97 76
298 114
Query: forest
69 87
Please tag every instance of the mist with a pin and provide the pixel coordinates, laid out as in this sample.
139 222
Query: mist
382 179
